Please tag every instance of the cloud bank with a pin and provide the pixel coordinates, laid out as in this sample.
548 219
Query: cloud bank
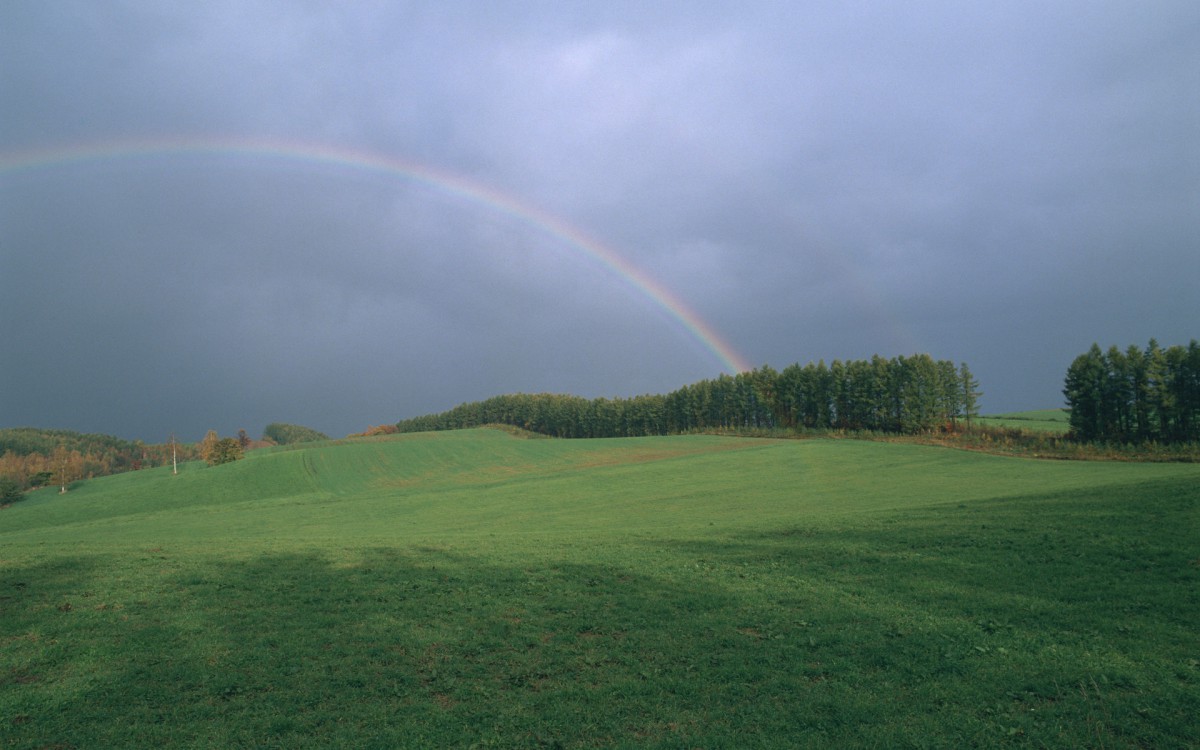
1001 184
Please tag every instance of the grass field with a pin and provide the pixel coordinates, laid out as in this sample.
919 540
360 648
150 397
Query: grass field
474 589
1040 420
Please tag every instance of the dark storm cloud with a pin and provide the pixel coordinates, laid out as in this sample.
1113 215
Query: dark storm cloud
997 183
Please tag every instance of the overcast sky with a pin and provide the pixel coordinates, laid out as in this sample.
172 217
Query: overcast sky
1000 183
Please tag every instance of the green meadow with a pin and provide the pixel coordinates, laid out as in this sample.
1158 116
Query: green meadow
1057 421
477 589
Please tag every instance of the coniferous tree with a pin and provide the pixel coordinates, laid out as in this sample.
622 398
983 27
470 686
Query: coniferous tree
1084 391
1158 393
910 394
1135 395
1116 396
1138 376
970 393
1185 387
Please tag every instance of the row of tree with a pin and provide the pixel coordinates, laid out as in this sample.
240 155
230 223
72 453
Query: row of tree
31 457
1135 395
60 468
904 394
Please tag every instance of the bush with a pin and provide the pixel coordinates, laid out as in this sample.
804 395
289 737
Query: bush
10 490
225 450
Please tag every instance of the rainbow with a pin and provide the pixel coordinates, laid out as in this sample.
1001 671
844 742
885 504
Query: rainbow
447 182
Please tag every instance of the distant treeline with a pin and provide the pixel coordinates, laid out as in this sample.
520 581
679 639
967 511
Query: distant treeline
31 457
281 433
1135 396
35 457
902 395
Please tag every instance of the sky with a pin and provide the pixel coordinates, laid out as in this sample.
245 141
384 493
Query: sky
224 214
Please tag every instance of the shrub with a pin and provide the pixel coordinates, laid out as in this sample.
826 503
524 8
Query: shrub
10 490
225 450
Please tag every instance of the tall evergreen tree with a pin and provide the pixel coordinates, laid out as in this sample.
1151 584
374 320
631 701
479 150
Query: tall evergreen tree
1135 395
1117 395
912 394
1084 391
969 390
1138 385
1158 392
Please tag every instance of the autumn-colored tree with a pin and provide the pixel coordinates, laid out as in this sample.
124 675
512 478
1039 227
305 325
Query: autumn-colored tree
26 454
206 446
67 467
216 450
225 450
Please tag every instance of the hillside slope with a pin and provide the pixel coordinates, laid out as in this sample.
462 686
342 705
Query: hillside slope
472 482
476 589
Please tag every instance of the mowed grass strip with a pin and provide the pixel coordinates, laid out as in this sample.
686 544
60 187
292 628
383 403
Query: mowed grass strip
678 592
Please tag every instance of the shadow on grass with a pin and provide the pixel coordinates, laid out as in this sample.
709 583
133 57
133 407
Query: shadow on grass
1043 621
376 648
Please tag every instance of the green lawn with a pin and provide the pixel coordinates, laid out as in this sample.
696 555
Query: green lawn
475 589
1039 420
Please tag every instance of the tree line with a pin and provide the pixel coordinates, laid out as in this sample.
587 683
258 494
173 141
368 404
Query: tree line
902 395
1135 395
31 457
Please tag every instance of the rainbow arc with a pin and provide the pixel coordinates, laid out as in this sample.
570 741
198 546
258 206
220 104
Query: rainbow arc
367 161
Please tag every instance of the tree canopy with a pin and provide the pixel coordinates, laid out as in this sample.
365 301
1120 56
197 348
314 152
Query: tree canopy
1135 395
26 455
223 451
904 394
281 433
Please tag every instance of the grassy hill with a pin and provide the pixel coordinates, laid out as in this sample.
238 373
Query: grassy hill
460 588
